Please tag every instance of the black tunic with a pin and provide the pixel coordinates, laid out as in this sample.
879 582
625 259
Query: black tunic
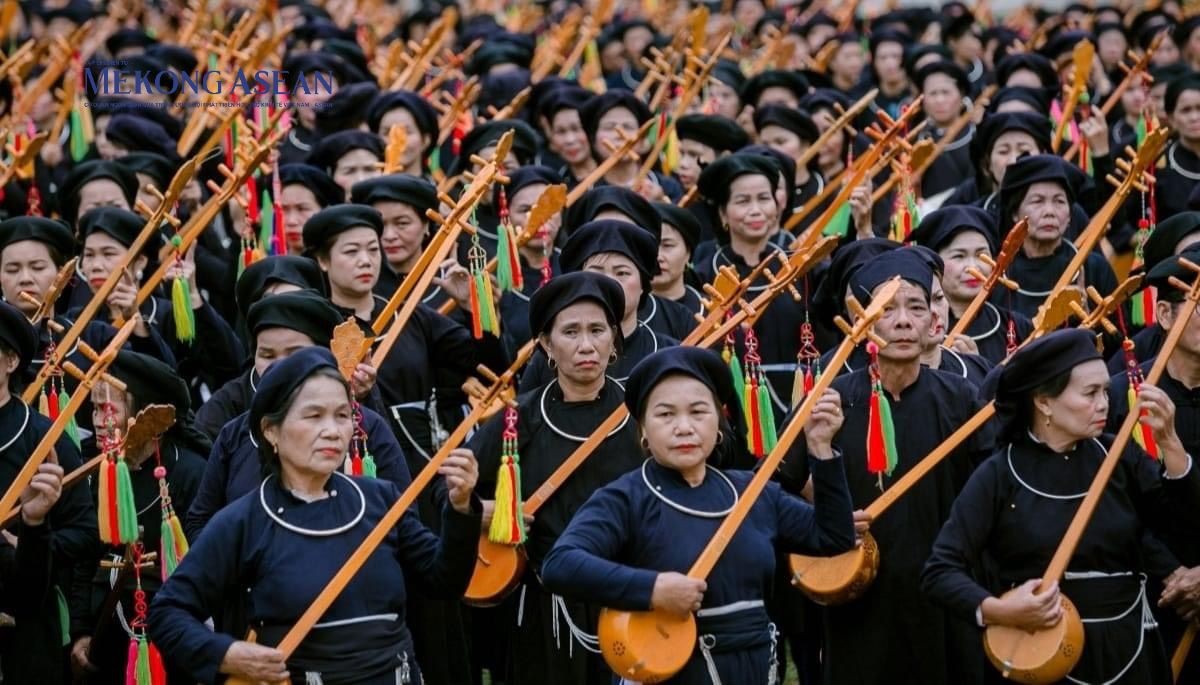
536 656
892 634
32 652
666 317
1175 183
951 166
989 330
1014 512
972 367
1036 277
226 404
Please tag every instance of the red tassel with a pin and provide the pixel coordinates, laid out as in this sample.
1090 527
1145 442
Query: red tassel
808 381
756 436
131 663
114 525
876 450
52 403
158 672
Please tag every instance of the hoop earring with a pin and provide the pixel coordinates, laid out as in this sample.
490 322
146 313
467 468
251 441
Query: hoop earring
645 445
720 436
612 357
551 363
1048 415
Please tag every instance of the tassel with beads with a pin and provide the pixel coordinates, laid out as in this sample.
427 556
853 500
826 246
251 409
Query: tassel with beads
484 318
43 403
72 429
508 526
729 354
1142 434
107 500
756 403
508 262
882 455
173 543
181 302
126 504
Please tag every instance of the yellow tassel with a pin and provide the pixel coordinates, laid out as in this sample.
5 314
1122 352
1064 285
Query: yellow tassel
506 528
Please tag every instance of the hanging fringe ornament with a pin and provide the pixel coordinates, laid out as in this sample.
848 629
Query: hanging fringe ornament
760 415
277 217
881 433
1142 306
126 504
143 665
808 364
729 354
173 543
181 302
483 307
839 223
508 527
508 260
547 250
43 403
1141 432
72 429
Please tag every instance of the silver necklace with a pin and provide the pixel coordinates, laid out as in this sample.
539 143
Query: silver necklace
562 433
653 311
20 430
721 253
656 490
1013 470
362 509
1177 167
992 307
303 147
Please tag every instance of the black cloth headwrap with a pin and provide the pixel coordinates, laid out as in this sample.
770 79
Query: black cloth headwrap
305 311
717 132
1037 99
326 153
564 290
681 220
160 169
86 173
610 235
940 226
151 381
994 125
323 187
1171 267
1030 169
325 225
637 208
533 174
1030 61
774 78
122 225
567 96
51 232
422 113
524 142
411 190
281 380
718 177
18 335
786 165
728 72
1166 237
1041 360
137 134
946 68
347 108
702 364
787 118
596 107
908 264
298 271
499 51
830 296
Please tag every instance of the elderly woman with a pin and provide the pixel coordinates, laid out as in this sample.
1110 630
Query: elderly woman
1043 188
1052 399
279 545
630 544
176 458
576 318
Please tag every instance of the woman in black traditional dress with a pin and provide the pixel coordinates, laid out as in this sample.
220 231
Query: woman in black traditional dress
101 640
32 651
280 545
576 317
1052 399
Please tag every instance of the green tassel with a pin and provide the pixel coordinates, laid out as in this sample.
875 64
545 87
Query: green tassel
126 506
766 414
64 617
266 223
889 432
169 558
839 224
435 160
1140 131
739 383
485 310
913 211
72 429
368 466
79 146
181 304
143 662
504 248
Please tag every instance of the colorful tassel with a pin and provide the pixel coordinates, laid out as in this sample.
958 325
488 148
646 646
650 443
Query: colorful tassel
484 318
107 506
369 468
173 543
43 403
181 307
508 526
158 671
839 224
882 455
756 402
72 429
126 505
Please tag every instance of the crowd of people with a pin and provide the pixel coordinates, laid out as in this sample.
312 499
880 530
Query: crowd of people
697 143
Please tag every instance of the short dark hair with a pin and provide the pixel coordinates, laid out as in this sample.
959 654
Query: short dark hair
1051 387
268 458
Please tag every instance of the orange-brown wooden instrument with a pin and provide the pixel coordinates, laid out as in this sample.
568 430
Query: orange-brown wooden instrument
652 646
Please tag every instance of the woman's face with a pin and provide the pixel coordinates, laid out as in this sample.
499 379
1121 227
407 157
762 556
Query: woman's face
1186 116
725 99
353 262
1082 409
1111 47
26 267
414 141
519 206
943 99
102 254
580 342
355 166
672 257
751 212
102 192
608 130
1008 146
313 437
1049 211
274 344
309 96
567 138
681 422
1026 78
1133 99
965 251
830 157
889 62
298 204
110 404
621 269
693 157
780 138
403 231
848 62
1166 54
